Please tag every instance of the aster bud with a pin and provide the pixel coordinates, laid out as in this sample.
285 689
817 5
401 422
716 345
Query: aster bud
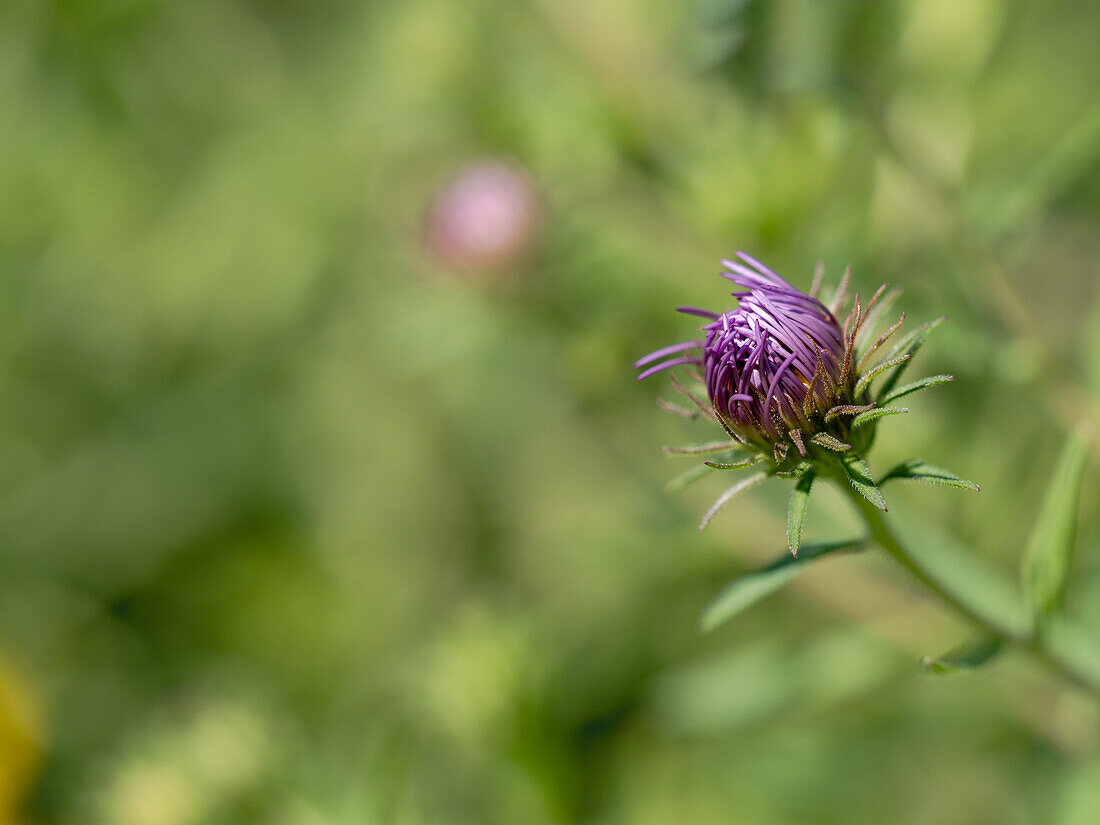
791 383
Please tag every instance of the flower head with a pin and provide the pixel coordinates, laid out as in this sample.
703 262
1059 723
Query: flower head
791 386
778 368
775 359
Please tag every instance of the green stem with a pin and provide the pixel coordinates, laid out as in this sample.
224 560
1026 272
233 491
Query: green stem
1058 644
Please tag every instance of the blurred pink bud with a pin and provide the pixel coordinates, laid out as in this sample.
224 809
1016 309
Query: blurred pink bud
485 218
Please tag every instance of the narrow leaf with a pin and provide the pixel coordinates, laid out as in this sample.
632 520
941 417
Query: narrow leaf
875 414
859 474
881 367
847 409
841 291
750 588
739 487
739 464
796 511
883 307
676 409
701 449
917 470
794 472
829 443
910 344
687 477
1076 646
924 383
882 339
967 656
1049 551
819 276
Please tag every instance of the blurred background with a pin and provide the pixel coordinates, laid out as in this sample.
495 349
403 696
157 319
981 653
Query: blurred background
327 494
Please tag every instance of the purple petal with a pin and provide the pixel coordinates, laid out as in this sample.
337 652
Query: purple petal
703 313
674 362
661 353
745 256
763 352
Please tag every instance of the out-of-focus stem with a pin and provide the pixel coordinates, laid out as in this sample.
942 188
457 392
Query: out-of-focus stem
1058 644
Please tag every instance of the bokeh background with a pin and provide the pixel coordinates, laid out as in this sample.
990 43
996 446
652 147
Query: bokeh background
327 494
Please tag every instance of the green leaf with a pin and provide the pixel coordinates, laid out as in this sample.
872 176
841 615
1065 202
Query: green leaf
739 487
875 414
917 470
750 588
924 383
689 476
794 472
829 443
866 379
796 511
1049 551
739 464
967 656
846 409
910 344
859 474
1076 646
701 449
683 412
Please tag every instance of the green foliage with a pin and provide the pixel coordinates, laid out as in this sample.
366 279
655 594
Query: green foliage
687 477
746 590
859 476
962 575
864 418
923 383
741 486
967 656
300 525
796 509
830 443
907 346
738 463
865 380
916 469
700 449
1049 553
1076 645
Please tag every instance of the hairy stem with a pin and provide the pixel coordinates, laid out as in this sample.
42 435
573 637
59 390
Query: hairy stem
1062 647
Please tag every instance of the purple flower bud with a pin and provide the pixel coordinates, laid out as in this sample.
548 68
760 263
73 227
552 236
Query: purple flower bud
779 367
483 219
